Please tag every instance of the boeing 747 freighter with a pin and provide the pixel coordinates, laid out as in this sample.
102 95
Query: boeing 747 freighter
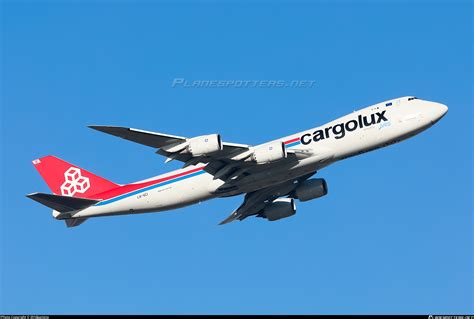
271 175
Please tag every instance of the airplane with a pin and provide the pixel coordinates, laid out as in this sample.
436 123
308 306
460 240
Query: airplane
271 175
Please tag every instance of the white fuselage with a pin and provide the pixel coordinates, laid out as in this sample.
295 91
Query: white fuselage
358 132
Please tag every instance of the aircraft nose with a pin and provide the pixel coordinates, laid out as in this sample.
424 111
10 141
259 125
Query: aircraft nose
439 110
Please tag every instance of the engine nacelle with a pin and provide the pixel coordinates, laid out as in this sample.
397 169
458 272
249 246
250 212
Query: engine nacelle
280 208
268 153
311 189
206 144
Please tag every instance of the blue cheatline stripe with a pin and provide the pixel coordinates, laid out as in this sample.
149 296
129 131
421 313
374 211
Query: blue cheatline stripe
293 144
108 201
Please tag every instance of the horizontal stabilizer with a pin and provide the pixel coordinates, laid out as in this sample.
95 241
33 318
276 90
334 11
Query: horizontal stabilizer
62 204
73 222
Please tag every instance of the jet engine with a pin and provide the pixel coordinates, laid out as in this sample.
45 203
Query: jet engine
205 144
268 153
311 189
279 208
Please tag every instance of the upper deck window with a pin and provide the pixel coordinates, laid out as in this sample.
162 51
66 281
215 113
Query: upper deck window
412 98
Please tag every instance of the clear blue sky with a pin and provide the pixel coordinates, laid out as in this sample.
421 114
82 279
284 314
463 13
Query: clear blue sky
394 234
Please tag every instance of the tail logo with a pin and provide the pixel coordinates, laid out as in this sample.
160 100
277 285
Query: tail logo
74 182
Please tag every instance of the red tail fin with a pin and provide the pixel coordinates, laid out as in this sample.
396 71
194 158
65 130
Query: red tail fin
69 180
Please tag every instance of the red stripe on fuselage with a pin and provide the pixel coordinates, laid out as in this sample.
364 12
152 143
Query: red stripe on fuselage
292 140
132 187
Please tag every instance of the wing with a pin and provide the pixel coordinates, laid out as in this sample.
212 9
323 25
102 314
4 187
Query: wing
255 202
168 144
152 139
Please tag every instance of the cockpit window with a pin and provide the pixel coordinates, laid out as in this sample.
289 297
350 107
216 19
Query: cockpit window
412 98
